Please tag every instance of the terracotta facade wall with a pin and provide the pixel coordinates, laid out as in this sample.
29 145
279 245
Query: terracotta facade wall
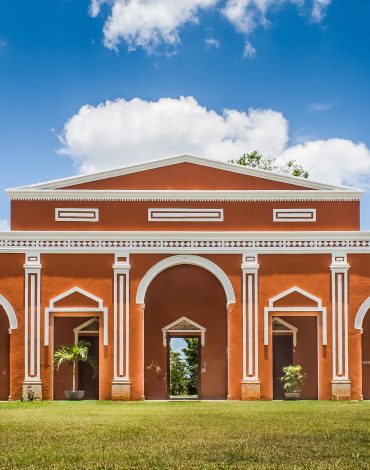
94 274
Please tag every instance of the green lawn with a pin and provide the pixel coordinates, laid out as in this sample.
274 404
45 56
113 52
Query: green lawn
185 435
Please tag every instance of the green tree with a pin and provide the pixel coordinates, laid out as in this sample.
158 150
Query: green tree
178 376
191 353
74 354
256 160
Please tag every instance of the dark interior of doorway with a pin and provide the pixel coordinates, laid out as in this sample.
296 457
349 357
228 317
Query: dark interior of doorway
86 379
282 356
183 370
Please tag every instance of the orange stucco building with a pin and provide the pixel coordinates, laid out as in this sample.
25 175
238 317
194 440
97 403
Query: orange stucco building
265 269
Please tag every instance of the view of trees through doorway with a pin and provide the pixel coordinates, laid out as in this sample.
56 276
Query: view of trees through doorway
183 367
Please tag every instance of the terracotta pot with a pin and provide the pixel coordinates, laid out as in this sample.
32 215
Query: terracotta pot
291 395
77 395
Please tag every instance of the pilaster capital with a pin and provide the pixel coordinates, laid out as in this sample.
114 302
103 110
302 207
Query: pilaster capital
32 262
250 262
339 262
121 261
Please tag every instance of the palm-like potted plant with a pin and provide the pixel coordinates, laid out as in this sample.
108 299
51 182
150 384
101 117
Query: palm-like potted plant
292 381
74 354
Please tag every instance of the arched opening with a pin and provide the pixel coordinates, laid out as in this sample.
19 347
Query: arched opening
8 321
190 291
363 323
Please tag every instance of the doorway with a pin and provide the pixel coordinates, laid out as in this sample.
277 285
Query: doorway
183 367
86 379
282 347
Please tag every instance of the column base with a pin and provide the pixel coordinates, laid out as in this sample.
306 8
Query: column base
341 390
32 391
121 391
250 390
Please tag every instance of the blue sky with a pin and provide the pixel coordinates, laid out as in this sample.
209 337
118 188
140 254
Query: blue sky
294 74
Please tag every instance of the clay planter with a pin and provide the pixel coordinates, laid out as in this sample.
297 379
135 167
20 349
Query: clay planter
77 395
291 395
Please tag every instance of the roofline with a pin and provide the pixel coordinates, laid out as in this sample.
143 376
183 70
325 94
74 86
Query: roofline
159 163
183 195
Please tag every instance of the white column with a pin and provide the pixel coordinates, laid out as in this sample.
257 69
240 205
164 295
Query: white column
121 326
32 340
339 298
250 268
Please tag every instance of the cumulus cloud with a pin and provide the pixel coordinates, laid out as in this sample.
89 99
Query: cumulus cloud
120 132
151 23
335 161
147 23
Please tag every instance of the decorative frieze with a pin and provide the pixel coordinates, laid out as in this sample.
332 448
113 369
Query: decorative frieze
167 242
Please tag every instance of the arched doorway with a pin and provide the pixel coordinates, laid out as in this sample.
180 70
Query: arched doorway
185 290
363 323
8 321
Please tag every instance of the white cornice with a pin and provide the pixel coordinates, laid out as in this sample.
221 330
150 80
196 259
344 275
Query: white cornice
185 242
170 195
231 167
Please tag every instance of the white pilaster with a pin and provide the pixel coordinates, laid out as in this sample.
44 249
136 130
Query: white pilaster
250 268
32 298
121 272
339 297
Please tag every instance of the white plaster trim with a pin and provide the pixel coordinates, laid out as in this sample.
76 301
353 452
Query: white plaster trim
13 323
78 329
183 195
294 215
292 329
184 242
170 214
169 329
73 214
185 259
271 309
361 314
160 163
52 309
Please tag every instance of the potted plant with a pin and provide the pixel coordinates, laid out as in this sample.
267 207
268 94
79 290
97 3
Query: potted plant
79 352
292 381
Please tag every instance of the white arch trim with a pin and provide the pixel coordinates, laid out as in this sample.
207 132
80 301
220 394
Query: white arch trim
98 309
361 314
185 259
276 310
13 323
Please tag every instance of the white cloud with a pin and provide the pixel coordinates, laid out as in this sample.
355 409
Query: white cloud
319 107
249 50
147 23
336 161
117 133
3 44
4 225
212 43
152 23
319 8
120 132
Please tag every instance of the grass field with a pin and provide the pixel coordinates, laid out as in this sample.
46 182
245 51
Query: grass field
185 435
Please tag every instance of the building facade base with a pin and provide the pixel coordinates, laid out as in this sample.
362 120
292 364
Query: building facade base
32 391
341 390
121 391
250 390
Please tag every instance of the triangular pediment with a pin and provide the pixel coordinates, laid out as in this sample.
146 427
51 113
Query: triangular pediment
181 173
295 297
76 297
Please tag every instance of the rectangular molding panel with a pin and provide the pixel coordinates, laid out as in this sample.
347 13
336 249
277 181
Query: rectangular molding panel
294 215
72 214
185 215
